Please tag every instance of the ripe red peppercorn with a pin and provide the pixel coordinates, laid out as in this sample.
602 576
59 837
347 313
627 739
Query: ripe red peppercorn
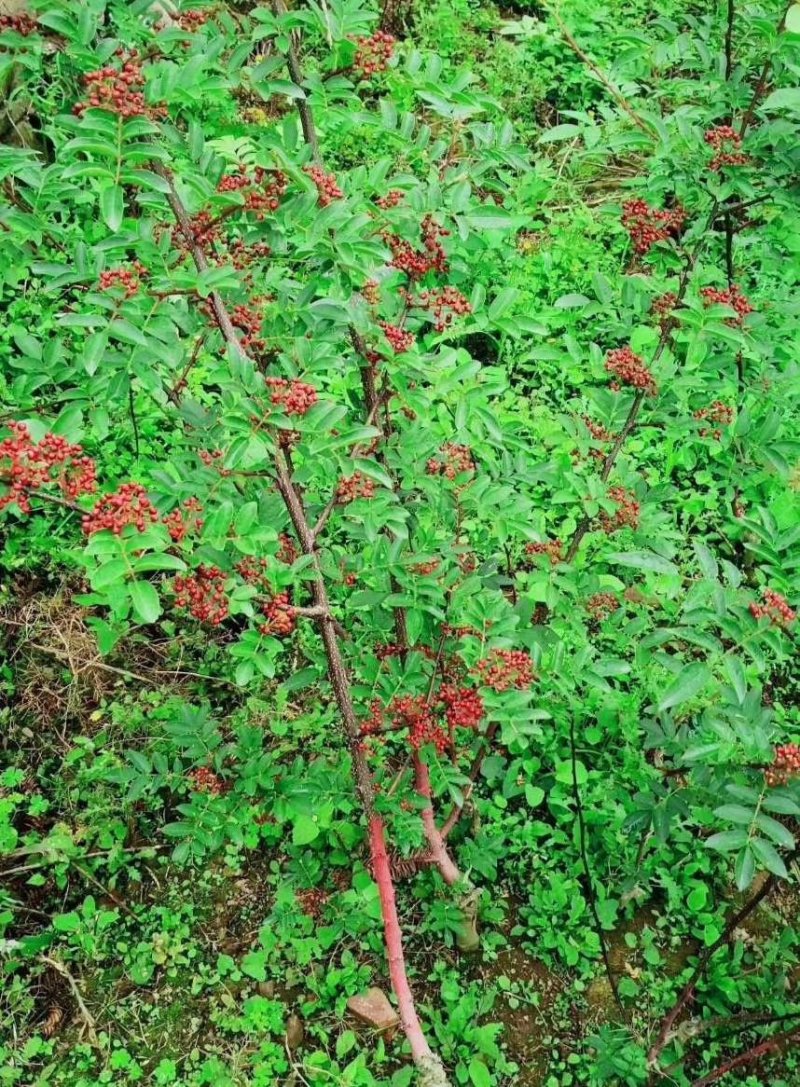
295 397
647 225
626 514
281 616
774 608
506 669
727 143
399 339
203 594
452 460
118 90
630 369
21 23
785 765
27 466
445 304
554 549
373 54
352 487
204 780
327 188
463 706
732 297
129 505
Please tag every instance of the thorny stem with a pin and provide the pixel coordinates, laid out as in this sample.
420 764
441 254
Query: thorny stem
729 38
612 89
771 1045
303 108
763 78
430 1067
687 992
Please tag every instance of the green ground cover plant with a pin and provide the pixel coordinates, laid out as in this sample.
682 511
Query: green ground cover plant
399 509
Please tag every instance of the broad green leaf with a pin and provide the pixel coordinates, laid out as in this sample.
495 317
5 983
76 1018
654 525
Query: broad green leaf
745 868
304 830
769 857
479 1074
727 841
145 601
112 206
564 773
735 813
775 830
643 560
689 683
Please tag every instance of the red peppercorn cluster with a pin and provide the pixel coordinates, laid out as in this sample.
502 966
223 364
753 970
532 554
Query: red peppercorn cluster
775 608
554 549
327 189
213 458
126 279
371 292
280 615
391 200
630 369
243 253
373 724
373 54
204 780
117 90
601 605
663 307
460 632
203 594
248 320
399 339
424 569
727 143
26 466
414 263
262 190
193 19
627 512
20 24
785 765
349 488
647 225
287 552
295 397
452 460
505 669
718 413
415 714
252 570
467 562
114 512
463 706
732 297
445 304
312 901
182 521
205 231
597 430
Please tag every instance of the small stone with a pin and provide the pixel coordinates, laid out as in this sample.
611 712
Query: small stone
295 1032
267 989
373 1009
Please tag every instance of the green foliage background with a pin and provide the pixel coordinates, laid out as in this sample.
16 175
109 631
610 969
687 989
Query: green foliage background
199 927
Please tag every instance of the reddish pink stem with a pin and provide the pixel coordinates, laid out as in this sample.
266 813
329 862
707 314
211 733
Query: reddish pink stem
431 1071
437 849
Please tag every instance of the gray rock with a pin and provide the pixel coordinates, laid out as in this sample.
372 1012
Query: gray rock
374 1010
